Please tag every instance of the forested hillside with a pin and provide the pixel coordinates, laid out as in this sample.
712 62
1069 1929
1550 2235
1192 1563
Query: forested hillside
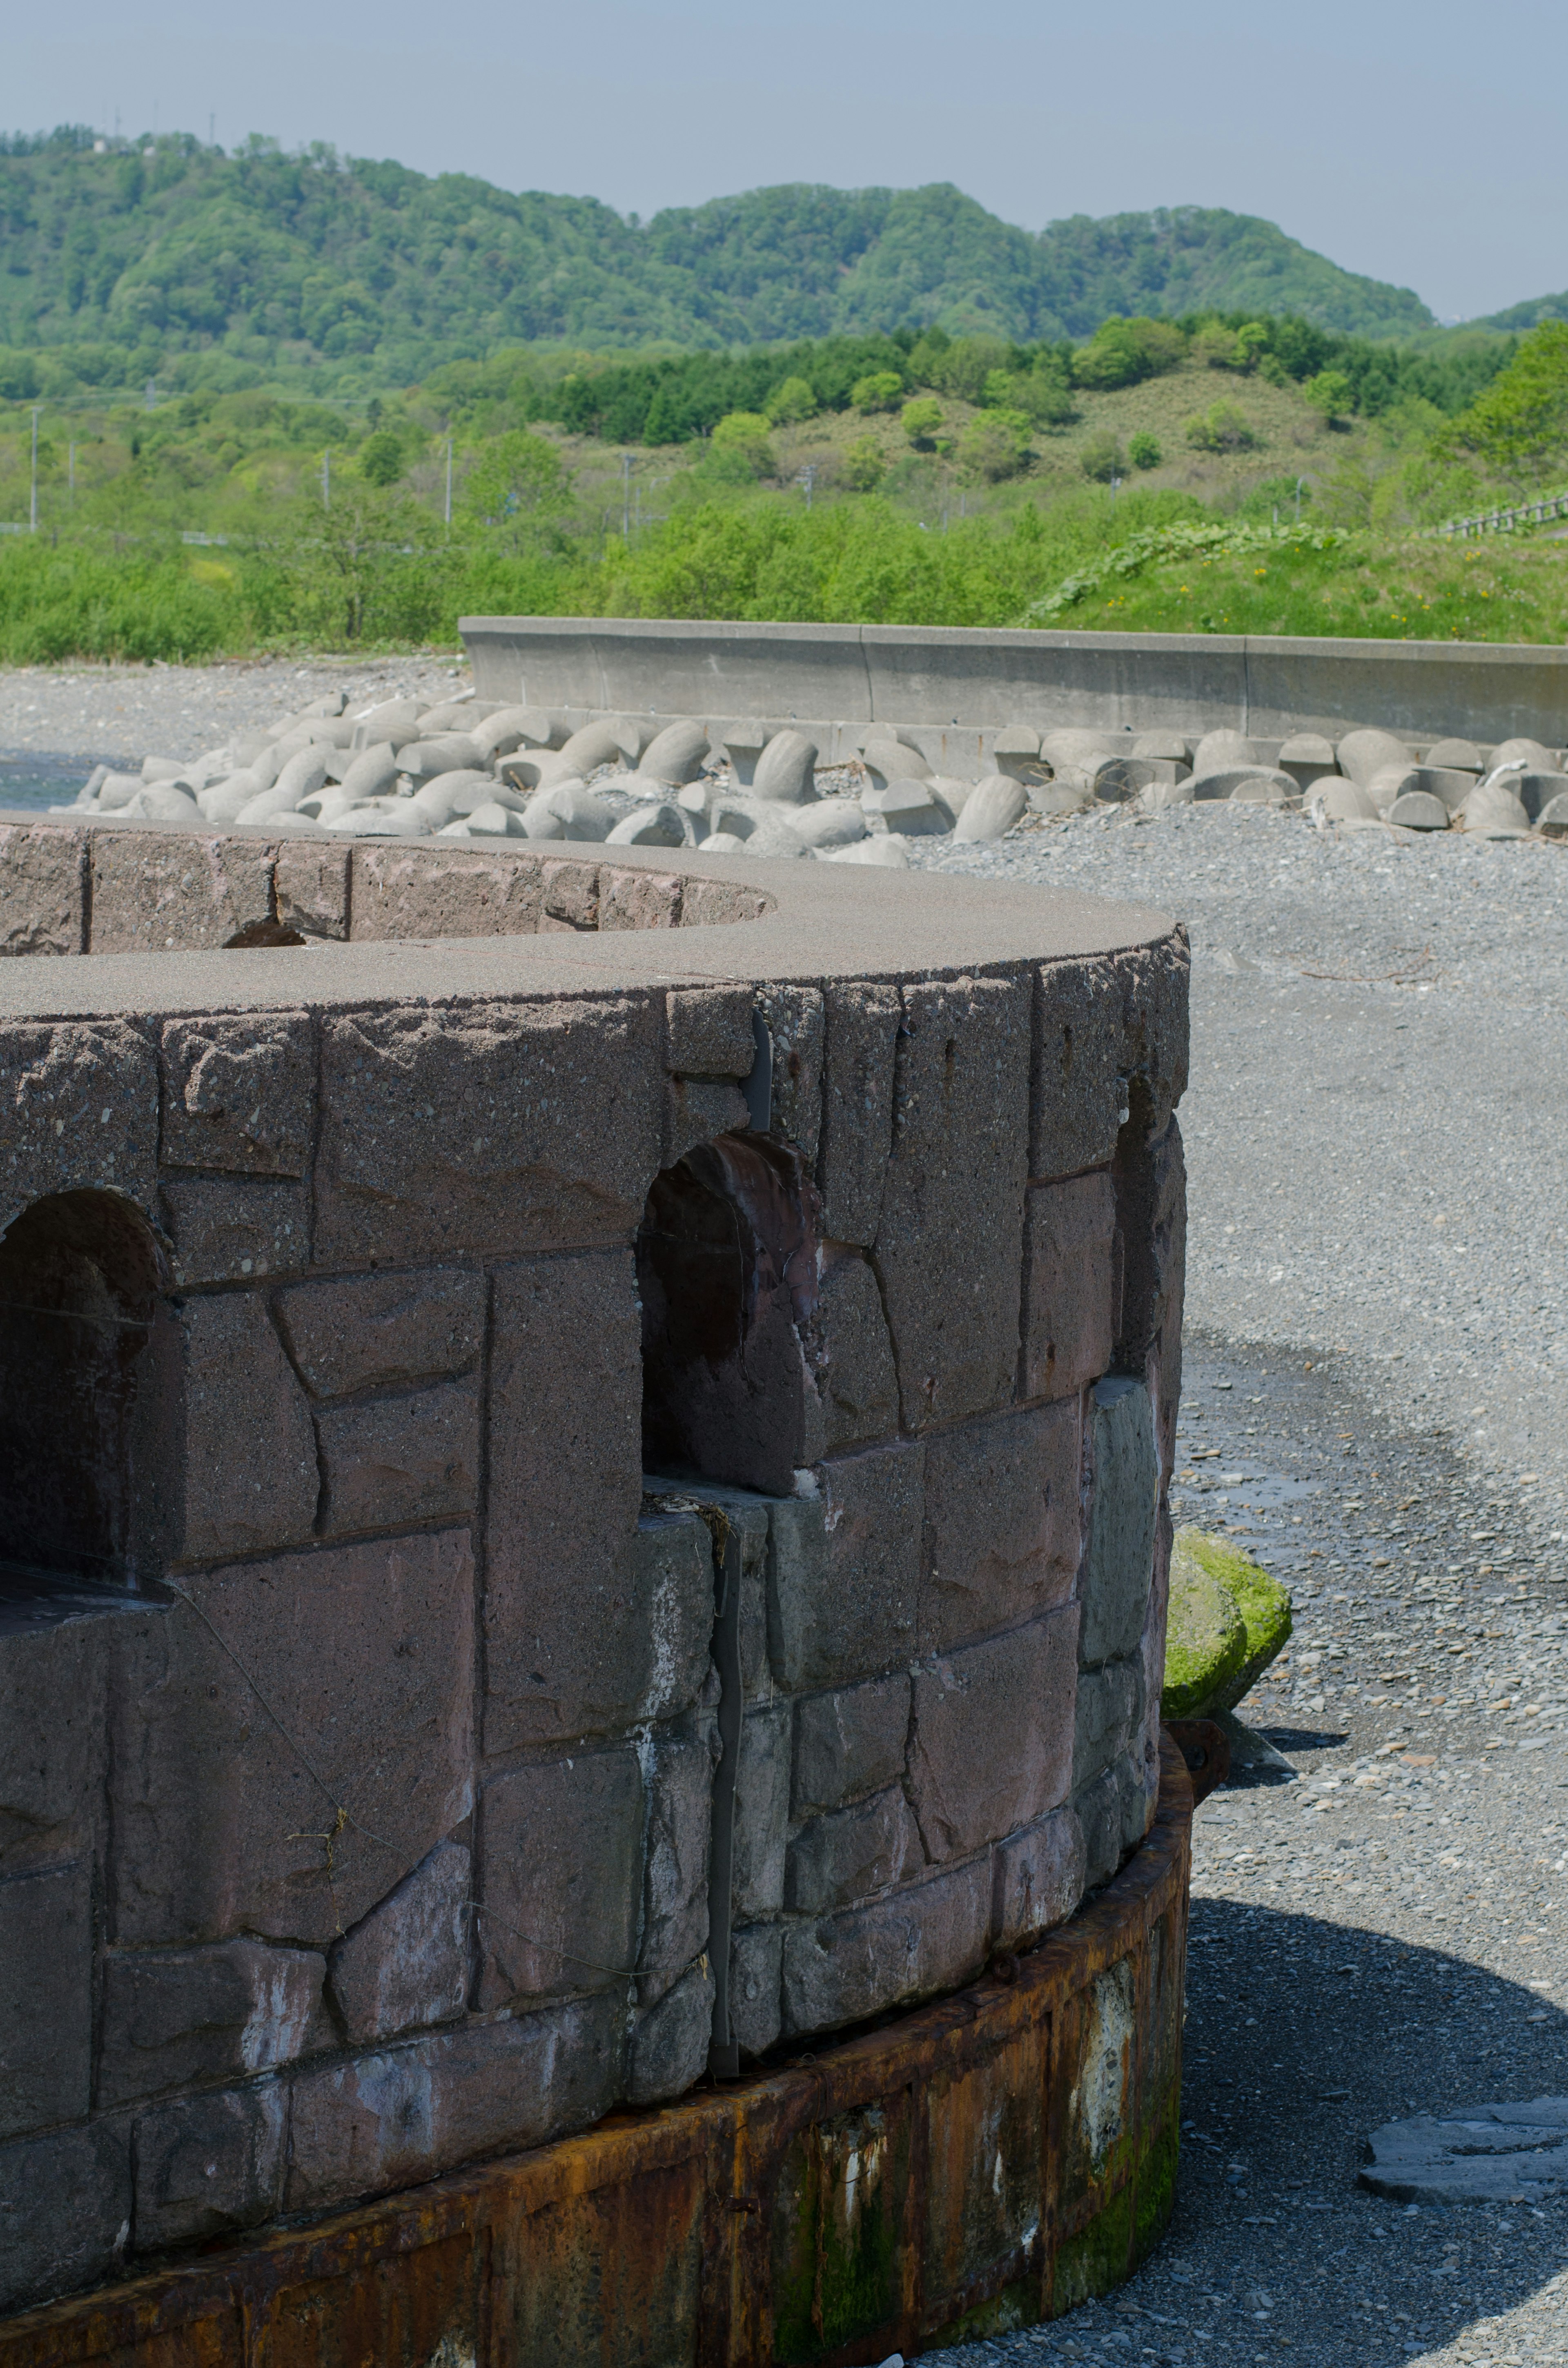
120 259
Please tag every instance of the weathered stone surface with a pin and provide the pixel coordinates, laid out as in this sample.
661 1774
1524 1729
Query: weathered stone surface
505 1127
567 1643
1456 755
1118 1560
1002 1522
1342 801
208 2164
227 1811
312 888
559 1877
850 1853
1156 1030
65 2208
699 1109
179 893
1111 1811
389 2118
406 1965
674 1587
674 1889
378 1331
669 2042
861 1033
708 1031
1037 1878
930 1936
757 1965
707 902
43 885
747 1516
1504 2154
856 1385
793 1018
950 1239
570 892
79 1104
1151 1219
391 1461
403 892
46 1997
1070 1311
1109 1713
238 1093
53 1723
250 1455
639 900
175 2017
234 1229
967 1791
844 1584
762 1811
849 1743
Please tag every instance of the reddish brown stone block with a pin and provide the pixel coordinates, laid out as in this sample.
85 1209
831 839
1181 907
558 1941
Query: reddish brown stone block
157 893
990 1747
1002 1522
418 892
1070 1275
390 1461
559 1877
249 1458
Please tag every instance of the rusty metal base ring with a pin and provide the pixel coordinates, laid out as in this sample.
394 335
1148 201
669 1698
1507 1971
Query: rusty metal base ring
974 2167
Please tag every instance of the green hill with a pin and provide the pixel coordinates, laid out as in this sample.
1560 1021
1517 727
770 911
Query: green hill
1534 310
122 256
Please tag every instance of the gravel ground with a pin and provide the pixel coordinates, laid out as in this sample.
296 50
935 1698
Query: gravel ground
1376 1397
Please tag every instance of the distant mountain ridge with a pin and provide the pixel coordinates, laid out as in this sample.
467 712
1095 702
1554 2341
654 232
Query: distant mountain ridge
173 246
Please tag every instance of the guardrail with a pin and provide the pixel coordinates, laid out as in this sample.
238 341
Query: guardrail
1499 522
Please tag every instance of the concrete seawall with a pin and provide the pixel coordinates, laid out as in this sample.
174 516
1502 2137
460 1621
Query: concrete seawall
977 678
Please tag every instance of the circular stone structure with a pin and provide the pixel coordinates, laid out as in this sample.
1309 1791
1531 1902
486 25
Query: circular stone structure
585 1536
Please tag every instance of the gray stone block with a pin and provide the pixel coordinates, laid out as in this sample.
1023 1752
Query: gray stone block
505 1127
675 1885
53 1729
1110 1812
670 2041
65 2211
1076 1091
850 1854
1108 1717
708 1031
699 1110
150 896
1069 1273
674 1582
991 1744
55 1085
389 1462
860 1034
930 1936
849 1743
747 1516
291 1817
405 1966
845 1575
1119 1562
756 1966
175 2017
793 1016
382 1331
46 1997
1038 1876
762 1811
239 1094
209 2164
43 882
559 1877
235 1229
250 1455
568 1647
949 1240
310 886
856 1385
1001 1536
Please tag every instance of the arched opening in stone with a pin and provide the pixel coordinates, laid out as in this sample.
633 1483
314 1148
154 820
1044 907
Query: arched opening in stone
89 1375
727 1272
262 933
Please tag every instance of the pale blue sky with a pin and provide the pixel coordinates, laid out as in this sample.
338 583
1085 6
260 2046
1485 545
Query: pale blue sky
1420 145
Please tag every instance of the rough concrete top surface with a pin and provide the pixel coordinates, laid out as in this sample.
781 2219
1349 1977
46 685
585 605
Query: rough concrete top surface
825 924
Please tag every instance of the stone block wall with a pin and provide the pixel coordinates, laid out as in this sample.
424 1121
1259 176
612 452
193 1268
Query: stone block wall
358 1817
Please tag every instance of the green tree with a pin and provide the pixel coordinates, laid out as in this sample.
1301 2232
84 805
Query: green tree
1122 352
921 418
1330 392
878 391
1517 428
1102 458
381 457
1223 428
793 401
1143 451
742 436
518 475
993 445
864 467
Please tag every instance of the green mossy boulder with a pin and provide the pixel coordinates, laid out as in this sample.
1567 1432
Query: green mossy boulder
1228 1619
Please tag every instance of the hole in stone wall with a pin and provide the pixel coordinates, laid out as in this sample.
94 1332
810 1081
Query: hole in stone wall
89 1373
726 1268
262 933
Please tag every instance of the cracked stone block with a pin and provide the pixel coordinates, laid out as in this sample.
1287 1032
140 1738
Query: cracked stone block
1001 1537
80 1106
238 1094
65 2208
680 1834
312 887
860 1027
850 1853
1155 983
673 1583
235 1229
177 893
381 1331
1111 1813
290 1817
950 1239
1118 1561
793 1015
502 1127
46 1997
1070 1311
559 1877
747 1516
849 1742
762 1811
569 896
250 1453
670 2042
1110 1706
43 884
845 1579
756 1970
391 1461
1077 1093
928 1937
708 1031
1039 1878
967 1788
406 1965
174 2017
406 892
639 900
856 1385
210 2164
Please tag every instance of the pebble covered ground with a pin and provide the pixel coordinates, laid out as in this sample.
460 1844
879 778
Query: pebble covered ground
1376 1404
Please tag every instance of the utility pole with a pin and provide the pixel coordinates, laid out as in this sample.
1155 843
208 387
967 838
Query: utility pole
626 497
32 524
448 481
326 479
